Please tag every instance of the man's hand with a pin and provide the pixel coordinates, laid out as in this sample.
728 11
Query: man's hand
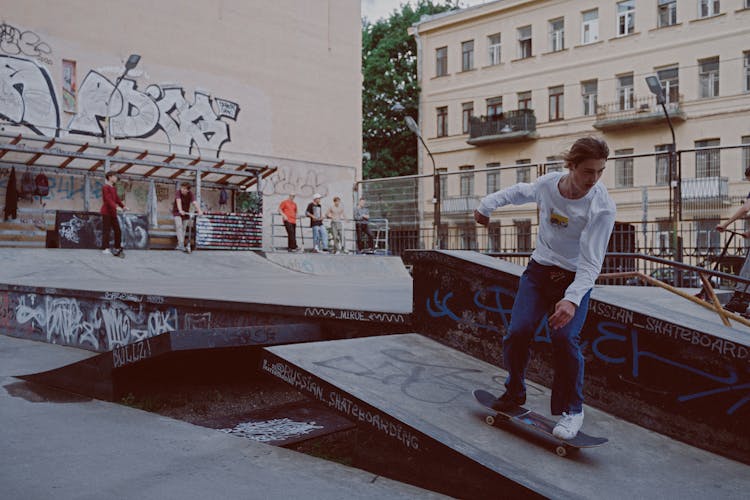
480 218
721 228
564 312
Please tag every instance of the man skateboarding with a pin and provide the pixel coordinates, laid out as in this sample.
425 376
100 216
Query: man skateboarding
576 218
741 297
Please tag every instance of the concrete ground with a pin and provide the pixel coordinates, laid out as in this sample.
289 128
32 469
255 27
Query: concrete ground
243 277
57 445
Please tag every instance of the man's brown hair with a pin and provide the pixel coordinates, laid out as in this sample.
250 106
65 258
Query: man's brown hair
586 148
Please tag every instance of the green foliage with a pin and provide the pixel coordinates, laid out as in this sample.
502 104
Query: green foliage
389 69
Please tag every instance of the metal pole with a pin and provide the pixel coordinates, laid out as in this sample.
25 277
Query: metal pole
435 197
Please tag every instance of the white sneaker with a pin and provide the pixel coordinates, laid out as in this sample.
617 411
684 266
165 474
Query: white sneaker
568 425
106 251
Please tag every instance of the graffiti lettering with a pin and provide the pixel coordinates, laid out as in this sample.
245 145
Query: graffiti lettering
16 42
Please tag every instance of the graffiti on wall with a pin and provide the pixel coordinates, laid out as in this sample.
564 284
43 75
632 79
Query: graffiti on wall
27 95
15 42
617 339
302 183
90 324
28 98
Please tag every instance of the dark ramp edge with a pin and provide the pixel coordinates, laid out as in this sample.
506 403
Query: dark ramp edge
97 376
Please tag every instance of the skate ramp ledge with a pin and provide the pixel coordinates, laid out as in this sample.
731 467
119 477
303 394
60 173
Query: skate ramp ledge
418 393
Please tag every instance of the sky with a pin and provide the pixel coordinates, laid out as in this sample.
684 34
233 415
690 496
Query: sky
377 9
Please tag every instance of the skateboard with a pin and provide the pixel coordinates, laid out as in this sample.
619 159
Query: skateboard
538 423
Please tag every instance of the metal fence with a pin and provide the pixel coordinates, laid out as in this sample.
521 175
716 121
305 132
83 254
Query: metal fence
669 214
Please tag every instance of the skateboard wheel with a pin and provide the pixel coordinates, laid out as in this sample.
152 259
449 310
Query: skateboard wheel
561 451
490 419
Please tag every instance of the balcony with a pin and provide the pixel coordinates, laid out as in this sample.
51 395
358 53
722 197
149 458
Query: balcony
705 194
641 111
513 126
456 205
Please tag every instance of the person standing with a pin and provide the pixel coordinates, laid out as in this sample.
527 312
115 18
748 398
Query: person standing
740 298
315 212
288 211
362 225
576 219
110 202
183 198
336 214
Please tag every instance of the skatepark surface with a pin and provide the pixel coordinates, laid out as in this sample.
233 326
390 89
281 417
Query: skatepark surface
242 277
57 445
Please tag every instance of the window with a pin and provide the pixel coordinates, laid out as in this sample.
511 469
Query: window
590 26
493 178
664 233
746 59
467 55
625 17
667 12
623 169
443 178
670 82
494 47
494 237
745 155
442 121
589 91
625 92
708 8
707 161
557 35
467 111
467 236
556 103
707 238
523 234
467 180
554 164
494 106
523 174
662 164
708 75
524 100
441 61
524 42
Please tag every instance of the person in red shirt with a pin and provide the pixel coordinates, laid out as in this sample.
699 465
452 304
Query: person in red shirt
288 211
110 202
183 198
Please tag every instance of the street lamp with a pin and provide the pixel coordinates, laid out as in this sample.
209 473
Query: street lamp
131 63
414 127
654 85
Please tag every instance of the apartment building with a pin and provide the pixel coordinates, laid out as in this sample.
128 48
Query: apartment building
509 85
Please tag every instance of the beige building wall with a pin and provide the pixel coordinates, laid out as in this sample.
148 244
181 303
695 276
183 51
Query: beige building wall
270 83
643 52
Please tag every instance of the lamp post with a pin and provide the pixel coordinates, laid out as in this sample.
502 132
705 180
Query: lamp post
414 127
131 63
654 85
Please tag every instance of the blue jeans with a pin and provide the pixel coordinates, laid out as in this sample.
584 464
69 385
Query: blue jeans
540 288
320 237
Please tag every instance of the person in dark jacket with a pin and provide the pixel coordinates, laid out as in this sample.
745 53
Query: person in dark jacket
11 197
110 202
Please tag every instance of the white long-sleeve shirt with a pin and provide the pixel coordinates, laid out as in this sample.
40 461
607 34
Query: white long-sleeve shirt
573 234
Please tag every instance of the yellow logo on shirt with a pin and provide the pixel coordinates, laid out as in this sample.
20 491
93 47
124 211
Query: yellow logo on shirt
558 220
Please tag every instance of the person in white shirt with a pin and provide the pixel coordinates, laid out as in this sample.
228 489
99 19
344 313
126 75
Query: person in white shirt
576 218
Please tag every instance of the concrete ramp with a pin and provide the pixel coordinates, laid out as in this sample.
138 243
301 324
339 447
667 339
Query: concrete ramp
416 393
100 375
352 266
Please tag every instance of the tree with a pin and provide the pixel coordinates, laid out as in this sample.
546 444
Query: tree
389 70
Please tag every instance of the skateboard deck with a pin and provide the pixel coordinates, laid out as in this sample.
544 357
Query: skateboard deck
533 421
